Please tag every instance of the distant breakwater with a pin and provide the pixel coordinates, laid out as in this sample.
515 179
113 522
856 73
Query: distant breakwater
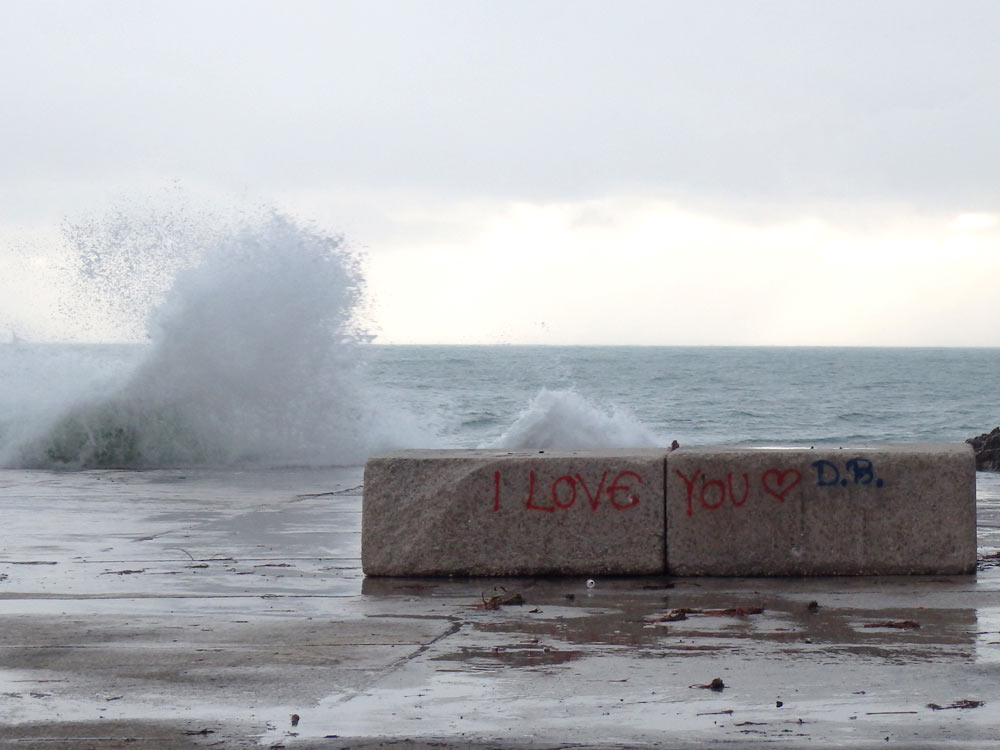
987 448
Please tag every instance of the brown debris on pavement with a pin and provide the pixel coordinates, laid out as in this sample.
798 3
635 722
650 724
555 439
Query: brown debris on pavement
957 704
674 616
717 685
682 613
898 624
733 612
502 599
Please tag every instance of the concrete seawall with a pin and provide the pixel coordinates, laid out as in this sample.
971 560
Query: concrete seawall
725 511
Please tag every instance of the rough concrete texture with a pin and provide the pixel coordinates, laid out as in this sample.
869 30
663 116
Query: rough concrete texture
850 510
474 512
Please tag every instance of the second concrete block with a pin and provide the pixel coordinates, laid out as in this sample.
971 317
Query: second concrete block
855 510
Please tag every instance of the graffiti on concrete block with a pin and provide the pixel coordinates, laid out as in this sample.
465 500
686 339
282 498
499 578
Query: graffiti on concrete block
569 490
734 489
712 494
857 471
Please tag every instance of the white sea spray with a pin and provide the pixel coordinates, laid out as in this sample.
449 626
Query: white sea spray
253 360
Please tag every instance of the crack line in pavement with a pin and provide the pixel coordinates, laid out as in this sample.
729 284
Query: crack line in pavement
456 625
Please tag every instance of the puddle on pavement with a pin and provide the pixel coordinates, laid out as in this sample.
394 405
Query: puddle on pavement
720 617
528 654
988 636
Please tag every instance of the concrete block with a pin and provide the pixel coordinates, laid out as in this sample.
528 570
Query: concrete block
853 510
481 512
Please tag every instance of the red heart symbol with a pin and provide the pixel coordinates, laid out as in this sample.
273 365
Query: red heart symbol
779 487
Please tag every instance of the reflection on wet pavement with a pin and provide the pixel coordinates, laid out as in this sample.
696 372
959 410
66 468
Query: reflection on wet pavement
633 614
172 600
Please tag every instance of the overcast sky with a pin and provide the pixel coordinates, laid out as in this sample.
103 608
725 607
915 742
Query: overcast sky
541 172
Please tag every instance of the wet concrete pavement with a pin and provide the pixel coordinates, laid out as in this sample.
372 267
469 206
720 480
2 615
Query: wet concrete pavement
209 609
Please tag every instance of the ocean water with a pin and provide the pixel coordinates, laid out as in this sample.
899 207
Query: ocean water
254 357
71 406
593 396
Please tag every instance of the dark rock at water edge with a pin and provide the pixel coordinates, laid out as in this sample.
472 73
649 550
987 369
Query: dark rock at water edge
987 449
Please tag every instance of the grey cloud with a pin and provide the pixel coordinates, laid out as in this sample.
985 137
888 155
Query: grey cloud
541 100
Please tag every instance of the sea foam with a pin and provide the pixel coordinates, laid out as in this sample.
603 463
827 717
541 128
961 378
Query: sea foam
566 420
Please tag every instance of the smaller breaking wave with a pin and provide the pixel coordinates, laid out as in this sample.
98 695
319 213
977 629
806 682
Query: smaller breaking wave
566 420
